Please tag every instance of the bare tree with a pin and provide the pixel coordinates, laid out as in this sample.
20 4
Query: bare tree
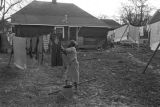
8 7
137 13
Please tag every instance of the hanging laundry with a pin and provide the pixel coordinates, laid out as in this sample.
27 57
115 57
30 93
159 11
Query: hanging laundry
148 28
28 40
134 34
154 35
19 47
46 39
141 32
28 43
110 34
10 38
122 31
33 44
40 50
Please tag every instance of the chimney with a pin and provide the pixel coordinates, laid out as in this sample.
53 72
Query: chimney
54 1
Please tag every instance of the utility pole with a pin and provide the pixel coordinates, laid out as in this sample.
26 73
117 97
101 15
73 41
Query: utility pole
141 14
3 15
3 5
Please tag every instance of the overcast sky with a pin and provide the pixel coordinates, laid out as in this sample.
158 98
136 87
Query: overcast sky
98 7
110 8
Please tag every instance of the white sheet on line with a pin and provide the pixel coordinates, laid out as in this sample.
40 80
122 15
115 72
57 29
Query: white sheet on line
19 45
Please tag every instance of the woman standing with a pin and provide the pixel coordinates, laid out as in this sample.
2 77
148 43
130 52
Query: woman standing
72 69
56 56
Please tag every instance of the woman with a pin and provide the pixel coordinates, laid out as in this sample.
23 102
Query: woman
56 56
72 69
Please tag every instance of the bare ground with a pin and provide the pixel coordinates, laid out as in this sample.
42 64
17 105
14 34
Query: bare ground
119 81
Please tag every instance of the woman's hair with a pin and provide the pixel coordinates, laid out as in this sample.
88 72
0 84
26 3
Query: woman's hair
72 43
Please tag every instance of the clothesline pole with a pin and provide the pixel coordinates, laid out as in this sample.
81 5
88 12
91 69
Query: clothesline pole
124 33
10 58
151 58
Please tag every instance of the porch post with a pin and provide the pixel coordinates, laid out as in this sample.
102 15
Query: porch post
69 33
77 34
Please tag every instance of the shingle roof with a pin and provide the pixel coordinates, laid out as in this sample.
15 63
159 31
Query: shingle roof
110 22
48 13
156 17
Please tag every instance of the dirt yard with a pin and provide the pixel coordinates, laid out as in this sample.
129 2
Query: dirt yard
119 81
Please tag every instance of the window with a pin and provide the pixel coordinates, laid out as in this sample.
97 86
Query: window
60 31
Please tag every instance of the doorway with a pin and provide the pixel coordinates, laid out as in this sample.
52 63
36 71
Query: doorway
60 32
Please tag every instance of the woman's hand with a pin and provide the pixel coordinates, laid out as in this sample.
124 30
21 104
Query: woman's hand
63 50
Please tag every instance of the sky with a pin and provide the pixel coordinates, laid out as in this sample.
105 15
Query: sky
109 8
97 8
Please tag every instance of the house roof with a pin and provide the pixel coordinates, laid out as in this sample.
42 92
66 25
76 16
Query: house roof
110 22
155 18
48 13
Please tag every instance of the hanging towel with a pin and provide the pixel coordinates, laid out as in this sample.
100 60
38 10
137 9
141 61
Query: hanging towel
19 45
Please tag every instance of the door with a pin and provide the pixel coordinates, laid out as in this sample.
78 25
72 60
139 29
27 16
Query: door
60 32
72 33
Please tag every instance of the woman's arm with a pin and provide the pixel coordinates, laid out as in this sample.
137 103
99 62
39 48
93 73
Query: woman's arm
63 50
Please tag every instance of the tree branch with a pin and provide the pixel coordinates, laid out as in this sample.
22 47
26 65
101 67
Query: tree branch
11 6
7 18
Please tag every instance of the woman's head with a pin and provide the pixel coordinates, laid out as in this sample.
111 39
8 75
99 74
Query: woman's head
53 32
72 43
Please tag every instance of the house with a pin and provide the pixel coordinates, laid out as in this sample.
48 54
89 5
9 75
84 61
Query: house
110 35
34 23
154 26
71 22
110 22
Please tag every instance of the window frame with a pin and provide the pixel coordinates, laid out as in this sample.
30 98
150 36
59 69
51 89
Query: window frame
62 30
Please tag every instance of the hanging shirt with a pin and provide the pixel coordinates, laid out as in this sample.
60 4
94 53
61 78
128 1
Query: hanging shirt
46 39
